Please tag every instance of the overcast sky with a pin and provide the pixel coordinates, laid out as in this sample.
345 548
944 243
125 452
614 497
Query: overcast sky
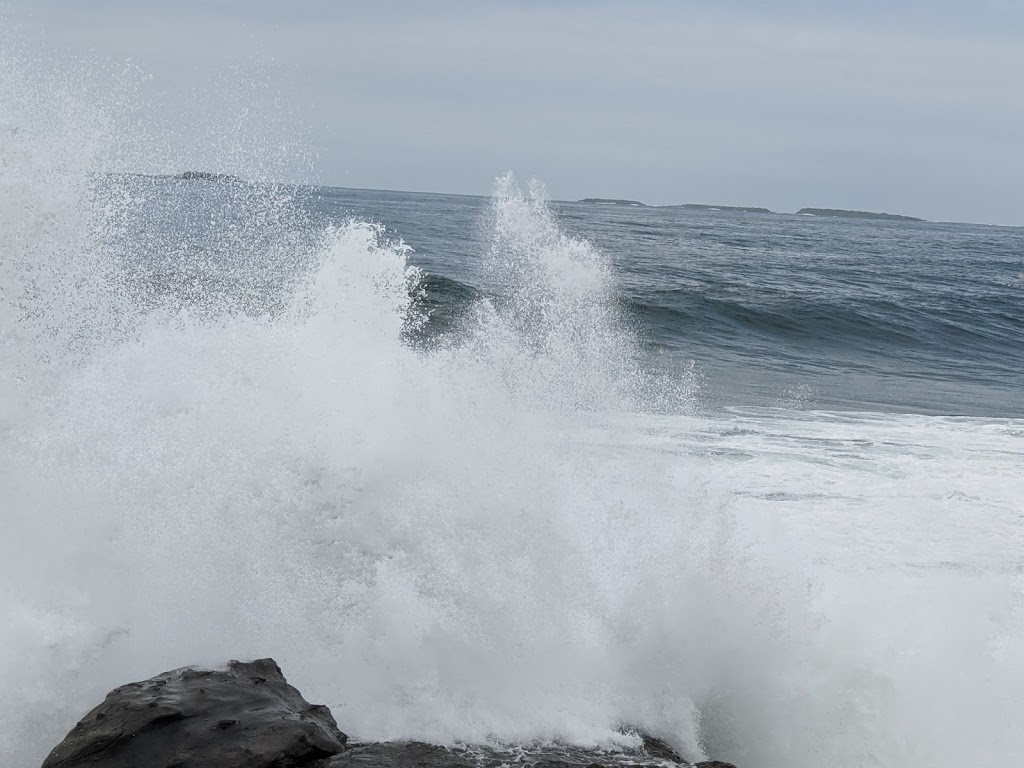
910 107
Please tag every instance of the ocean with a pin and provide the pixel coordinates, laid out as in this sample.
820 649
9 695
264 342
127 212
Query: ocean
509 469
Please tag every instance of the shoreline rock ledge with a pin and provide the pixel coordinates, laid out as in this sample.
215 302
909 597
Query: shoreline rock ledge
248 716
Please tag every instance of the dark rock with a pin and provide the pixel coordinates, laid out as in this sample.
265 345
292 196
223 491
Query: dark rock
659 750
246 716
399 755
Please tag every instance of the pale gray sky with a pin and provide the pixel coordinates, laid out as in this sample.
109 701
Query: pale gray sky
909 107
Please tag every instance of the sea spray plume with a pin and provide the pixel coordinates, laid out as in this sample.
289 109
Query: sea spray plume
57 303
436 554
446 545
58 292
210 248
233 238
73 311
493 539
478 541
560 301
525 584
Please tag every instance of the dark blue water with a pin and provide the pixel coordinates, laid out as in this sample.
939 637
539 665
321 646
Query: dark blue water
770 309
758 309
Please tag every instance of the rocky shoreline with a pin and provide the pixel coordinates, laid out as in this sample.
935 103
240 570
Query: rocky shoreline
248 716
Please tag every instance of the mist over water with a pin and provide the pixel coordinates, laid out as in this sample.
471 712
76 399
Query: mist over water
223 443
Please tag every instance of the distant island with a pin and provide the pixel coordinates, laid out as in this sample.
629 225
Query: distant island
706 207
838 213
613 201
841 214
206 176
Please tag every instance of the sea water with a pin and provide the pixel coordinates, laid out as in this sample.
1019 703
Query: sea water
505 469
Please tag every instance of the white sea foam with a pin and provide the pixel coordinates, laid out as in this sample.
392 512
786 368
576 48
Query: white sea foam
492 540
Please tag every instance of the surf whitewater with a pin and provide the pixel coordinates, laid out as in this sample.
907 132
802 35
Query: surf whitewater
231 442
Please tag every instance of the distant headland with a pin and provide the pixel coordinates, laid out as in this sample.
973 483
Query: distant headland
224 178
706 207
838 213
613 201
206 176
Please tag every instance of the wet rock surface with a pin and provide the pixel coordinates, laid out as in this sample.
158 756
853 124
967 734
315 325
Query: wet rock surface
248 716
654 754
